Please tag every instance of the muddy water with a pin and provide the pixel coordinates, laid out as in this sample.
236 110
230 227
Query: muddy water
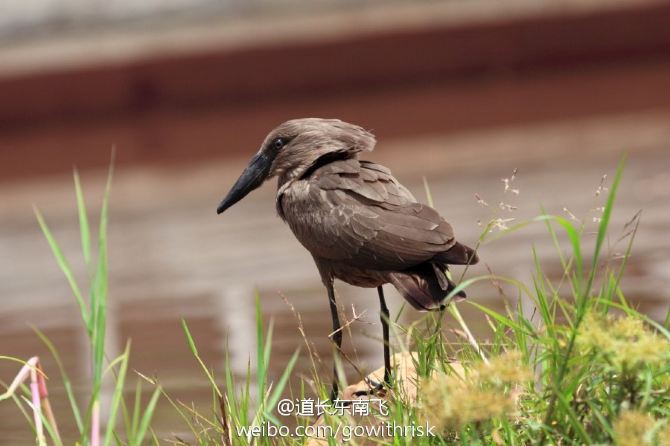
171 257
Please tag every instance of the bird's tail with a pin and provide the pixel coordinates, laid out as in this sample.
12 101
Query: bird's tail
458 254
425 286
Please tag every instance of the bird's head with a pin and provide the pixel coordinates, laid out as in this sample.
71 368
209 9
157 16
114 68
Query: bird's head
294 149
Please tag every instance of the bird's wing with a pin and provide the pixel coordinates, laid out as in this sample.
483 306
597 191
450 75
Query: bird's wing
370 220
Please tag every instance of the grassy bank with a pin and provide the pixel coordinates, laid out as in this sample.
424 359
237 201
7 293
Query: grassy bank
575 364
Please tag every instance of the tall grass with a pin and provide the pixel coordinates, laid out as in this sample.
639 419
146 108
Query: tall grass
580 385
581 367
240 405
86 411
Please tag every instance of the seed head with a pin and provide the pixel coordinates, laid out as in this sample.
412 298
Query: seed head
487 391
633 428
625 341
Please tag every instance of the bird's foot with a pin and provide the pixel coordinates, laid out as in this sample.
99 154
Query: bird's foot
376 388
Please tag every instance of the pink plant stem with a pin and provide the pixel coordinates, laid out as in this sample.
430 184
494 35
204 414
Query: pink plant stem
21 377
95 425
39 397
46 405
37 403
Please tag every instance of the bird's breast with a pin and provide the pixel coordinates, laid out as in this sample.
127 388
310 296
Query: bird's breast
304 208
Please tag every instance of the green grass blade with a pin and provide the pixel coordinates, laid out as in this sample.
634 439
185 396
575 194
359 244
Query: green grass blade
84 229
503 320
281 384
260 348
146 418
137 407
98 344
65 267
194 351
118 395
573 420
66 380
554 240
18 400
267 344
575 240
99 286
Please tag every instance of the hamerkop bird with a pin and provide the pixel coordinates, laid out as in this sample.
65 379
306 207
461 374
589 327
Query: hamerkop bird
358 222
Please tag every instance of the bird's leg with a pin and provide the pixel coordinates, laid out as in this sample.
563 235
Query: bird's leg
384 316
337 336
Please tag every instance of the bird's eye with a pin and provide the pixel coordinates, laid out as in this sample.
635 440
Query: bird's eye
278 143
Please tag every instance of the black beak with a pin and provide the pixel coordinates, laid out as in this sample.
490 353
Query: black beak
252 177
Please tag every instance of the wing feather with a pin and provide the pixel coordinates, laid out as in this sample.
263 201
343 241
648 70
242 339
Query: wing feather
369 220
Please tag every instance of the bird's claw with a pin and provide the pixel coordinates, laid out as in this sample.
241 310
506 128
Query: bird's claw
374 388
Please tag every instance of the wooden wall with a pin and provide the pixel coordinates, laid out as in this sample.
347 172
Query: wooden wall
218 103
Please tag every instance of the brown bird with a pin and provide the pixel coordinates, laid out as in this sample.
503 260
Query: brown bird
358 222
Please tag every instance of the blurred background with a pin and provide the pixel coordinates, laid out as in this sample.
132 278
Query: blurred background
458 92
